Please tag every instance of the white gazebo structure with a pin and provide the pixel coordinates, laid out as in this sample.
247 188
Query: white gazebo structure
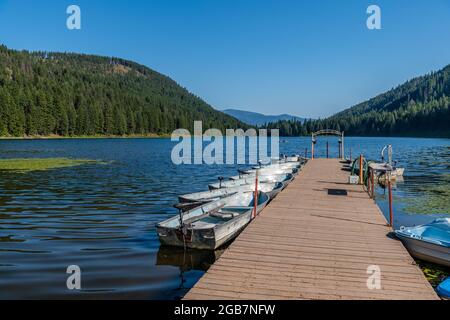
328 132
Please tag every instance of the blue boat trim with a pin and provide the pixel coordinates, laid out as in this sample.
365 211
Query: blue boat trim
444 288
436 232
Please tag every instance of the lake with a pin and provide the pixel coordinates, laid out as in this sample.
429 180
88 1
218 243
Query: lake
102 217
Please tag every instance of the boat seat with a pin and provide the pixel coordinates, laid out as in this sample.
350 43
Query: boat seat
235 209
224 214
203 224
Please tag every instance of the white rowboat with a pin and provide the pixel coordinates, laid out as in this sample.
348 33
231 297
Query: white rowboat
250 179
211 225
271 189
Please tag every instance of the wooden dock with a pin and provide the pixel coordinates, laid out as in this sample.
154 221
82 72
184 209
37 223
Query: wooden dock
308 244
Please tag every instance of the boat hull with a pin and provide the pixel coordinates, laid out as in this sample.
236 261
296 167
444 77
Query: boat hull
265 171
274 192
383 168
240 181
271 189
426 251
209 238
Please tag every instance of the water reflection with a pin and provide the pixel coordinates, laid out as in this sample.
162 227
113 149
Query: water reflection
187 260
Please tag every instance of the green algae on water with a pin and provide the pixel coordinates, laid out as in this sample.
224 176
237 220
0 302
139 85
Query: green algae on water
42 164
436 202
435 274
431 198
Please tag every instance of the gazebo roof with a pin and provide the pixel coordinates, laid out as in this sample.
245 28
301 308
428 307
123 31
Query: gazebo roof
328 132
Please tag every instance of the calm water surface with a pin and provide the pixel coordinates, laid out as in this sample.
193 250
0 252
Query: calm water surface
102 217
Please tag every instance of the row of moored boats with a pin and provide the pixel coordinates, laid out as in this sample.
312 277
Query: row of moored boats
209 219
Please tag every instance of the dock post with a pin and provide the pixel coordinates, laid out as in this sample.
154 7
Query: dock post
372 181
306 152
368 185
351 154
255 196
327 149
361 169
391 211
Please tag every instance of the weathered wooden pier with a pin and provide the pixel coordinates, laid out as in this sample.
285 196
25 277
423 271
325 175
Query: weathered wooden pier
321 238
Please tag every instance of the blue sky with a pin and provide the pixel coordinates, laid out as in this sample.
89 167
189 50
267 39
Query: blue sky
308 58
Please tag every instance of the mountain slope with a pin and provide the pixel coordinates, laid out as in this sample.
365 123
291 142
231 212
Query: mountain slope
68 94
259 119
420 108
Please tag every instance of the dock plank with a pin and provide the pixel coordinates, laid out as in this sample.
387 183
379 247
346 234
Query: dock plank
307 244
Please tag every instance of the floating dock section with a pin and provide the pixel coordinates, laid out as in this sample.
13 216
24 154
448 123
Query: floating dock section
320 238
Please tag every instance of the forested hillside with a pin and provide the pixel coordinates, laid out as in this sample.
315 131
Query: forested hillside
67 94
420 107
44 93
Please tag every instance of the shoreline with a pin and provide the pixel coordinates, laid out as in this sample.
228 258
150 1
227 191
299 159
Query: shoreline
55 137
168 136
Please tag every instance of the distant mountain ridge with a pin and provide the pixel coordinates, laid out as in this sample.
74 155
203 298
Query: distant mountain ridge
259 119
